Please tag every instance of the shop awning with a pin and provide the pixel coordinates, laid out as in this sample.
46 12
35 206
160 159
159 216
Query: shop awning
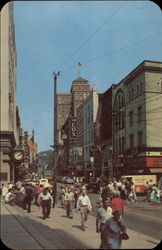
155 170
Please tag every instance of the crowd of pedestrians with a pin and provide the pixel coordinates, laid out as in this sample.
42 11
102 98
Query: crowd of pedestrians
125 189
109 218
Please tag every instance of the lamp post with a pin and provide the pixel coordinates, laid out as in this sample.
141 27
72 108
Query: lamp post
54 168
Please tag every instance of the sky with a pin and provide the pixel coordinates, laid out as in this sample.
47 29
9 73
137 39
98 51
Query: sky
109 39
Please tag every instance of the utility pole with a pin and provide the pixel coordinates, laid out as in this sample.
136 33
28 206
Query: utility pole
55 137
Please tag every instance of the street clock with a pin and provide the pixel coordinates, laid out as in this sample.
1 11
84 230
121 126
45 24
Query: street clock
18 155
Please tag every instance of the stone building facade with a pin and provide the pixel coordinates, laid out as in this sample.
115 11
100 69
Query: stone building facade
9 116
137 121
103 136
80 89
86 117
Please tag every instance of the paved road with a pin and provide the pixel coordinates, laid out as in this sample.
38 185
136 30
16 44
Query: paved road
143 217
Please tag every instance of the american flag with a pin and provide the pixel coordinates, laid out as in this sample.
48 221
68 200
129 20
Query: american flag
79 64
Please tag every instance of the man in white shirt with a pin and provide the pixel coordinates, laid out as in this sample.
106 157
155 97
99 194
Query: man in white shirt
4 191
10 185
69 202
10 197
84 206
103 214
45 200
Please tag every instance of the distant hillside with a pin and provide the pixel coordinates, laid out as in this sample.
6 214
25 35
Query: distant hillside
46 158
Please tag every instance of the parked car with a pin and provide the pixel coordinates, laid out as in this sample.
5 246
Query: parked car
63 180
70 181
44 182
34 182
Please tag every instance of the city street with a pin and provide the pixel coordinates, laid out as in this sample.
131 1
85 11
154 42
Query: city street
20 230
143 217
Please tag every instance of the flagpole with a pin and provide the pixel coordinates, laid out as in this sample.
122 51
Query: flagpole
78 72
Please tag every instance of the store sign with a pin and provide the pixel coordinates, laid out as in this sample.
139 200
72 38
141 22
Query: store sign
73 128
154 161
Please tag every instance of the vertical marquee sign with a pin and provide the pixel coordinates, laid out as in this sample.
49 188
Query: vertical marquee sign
73 128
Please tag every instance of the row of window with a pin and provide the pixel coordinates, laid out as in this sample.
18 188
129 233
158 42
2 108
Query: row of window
140 139
132 115
139 91
121 142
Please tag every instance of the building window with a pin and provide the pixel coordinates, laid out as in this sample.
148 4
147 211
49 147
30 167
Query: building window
139 114
123 120
122 101
129 95
132 94
131 114
140 138
123 144
141 88
131 138
137 89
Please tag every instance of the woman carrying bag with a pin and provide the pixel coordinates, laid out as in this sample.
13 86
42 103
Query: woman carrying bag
115 231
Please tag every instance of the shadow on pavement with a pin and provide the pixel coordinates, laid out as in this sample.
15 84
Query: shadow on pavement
14 238
79 227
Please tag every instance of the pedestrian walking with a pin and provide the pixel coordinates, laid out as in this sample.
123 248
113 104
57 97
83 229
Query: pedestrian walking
52 192
158 196
128 190
45 200
133 191
62 196
112 229
103 214
69 203
29 193
147 192
84 206
76 195
153 196
122 192
117 203
106 193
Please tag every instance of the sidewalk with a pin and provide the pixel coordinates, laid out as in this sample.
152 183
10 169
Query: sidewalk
20 230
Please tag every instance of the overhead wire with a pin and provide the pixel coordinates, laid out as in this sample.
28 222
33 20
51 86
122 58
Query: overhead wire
100 27
115 50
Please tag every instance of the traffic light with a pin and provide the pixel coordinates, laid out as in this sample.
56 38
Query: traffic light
90 151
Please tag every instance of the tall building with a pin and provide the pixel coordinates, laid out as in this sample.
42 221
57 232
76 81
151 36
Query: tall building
137 121
63 109
86 117
103 136
80 89
9 136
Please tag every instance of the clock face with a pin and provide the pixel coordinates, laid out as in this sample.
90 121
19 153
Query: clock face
18 155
